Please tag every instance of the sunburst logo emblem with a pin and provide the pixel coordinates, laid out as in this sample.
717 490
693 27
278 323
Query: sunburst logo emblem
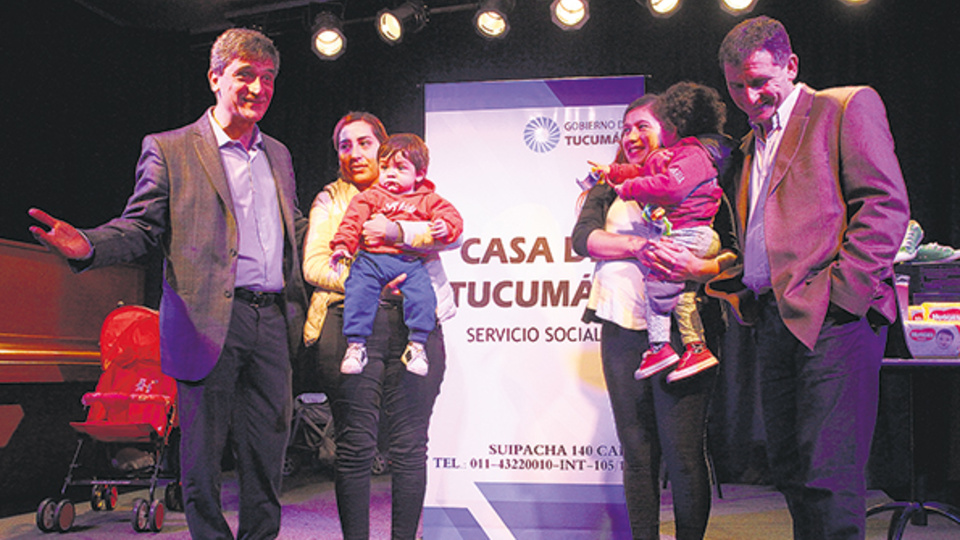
541 134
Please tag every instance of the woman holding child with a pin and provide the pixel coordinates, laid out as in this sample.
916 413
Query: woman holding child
655 415
383 384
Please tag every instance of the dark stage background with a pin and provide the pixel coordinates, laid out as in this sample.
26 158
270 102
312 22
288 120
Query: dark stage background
81 92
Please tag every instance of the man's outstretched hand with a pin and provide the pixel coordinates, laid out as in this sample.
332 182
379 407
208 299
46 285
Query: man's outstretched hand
60 236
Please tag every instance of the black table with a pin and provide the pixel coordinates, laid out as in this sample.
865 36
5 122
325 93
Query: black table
916 509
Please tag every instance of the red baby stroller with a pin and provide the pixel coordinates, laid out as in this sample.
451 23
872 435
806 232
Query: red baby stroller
130 422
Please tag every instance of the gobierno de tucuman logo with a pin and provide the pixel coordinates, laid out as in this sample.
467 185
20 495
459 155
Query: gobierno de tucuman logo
541 134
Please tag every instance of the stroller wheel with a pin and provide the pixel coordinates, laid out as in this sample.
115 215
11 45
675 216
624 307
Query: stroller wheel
103 498
45 511
141 515
110 497
173 496
156 516
63 515
379 465
291 463
97 502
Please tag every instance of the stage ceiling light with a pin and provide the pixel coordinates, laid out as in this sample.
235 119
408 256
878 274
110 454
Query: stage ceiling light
328 41
570 14
491 19
855 2
736 7
663 8
394 24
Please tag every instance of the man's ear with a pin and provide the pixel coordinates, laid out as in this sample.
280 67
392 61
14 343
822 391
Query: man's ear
214 80
793 66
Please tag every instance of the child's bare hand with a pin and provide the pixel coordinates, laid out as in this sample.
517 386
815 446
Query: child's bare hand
338 258
379 230
394 286
599 168
439 229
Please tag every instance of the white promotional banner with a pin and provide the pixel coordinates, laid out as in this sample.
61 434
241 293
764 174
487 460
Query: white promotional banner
522 440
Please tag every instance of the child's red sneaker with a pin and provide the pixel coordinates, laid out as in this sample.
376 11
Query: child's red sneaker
656 360
695 359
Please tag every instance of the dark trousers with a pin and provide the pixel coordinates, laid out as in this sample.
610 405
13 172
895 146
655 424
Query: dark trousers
819 410
657 419
406 402
246 396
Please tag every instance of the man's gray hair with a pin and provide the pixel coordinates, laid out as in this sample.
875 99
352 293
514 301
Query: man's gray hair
242 43
758 33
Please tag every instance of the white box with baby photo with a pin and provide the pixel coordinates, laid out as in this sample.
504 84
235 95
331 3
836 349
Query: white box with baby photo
932 339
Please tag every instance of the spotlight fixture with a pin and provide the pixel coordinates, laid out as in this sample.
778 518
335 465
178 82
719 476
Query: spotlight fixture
394 24
736 7
491 20
328 41
663 8
570 14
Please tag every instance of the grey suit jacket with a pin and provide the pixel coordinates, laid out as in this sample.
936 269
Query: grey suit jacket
182 203
836 209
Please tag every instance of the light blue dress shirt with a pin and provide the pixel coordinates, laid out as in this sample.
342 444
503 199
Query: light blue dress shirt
756 263
257 209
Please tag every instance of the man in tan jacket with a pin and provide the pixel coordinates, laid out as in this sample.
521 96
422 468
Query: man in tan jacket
821 209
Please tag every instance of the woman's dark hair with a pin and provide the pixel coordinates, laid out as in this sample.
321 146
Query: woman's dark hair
379 131
646 100
692 109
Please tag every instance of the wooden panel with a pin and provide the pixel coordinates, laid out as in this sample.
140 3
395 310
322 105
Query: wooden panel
50 317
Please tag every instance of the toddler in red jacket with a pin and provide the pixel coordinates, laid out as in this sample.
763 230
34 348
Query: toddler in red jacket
402 193
677 188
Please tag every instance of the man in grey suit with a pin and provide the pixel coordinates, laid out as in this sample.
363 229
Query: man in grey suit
821 209
218 196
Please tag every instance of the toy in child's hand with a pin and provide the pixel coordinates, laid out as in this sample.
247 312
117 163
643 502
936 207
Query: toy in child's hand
589 181
657 216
